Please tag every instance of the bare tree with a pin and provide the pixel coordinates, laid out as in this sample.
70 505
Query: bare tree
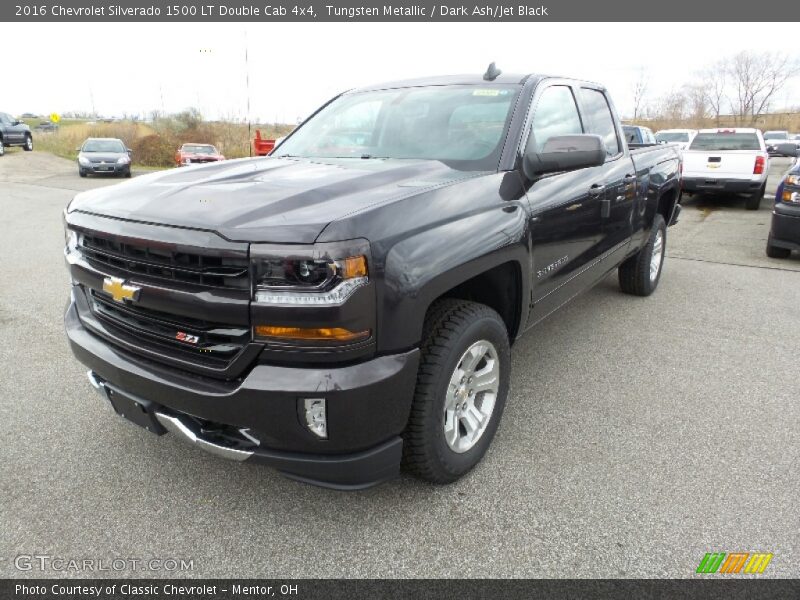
640 92
697 103
672 107
755 79
715 83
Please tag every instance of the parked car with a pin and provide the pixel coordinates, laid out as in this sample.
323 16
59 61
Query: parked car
46 127
727 161
335 313
14 132
190 154
104 156
636 135
681 137
784 235
775 139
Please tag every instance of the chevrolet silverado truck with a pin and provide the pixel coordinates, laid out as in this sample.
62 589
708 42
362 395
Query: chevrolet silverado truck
727 161
348 304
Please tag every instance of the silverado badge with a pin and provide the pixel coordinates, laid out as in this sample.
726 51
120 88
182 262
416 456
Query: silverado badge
119 290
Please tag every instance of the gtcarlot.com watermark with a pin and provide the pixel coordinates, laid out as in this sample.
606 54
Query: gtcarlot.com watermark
60 564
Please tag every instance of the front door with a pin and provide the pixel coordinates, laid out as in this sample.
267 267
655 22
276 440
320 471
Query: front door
566 229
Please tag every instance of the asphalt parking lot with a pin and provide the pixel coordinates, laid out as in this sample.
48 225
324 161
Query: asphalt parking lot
639 434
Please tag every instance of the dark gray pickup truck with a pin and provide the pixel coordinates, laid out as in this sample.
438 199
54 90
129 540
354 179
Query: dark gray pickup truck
348 304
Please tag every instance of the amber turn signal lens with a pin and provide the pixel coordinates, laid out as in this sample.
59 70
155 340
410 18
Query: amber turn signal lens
355 266
319 334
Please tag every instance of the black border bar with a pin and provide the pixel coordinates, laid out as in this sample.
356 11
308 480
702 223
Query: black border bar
412 589
710 11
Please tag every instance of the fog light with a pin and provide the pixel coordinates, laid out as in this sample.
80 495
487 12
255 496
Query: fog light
316 416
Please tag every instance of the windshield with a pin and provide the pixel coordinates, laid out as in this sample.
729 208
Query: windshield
198 149
725 141
103 146
776 135
675 136
463 126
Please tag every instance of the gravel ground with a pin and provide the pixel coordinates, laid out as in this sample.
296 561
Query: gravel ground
639 434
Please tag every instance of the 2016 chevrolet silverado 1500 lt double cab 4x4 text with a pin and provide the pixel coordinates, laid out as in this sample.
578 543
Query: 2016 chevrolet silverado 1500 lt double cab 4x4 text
349 302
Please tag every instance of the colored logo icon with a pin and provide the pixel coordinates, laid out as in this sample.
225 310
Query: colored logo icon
734 562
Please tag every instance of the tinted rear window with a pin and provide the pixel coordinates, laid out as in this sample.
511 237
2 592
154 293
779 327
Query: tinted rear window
725 141
672 137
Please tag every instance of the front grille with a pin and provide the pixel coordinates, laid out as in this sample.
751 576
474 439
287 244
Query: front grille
216 346
152 261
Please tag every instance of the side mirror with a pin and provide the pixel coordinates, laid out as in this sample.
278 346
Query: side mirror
129 151
565 153
788 149
18 122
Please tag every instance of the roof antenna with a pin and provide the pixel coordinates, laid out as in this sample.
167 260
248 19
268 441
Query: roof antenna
492 73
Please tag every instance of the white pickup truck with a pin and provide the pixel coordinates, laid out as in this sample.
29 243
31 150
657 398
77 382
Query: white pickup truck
727 161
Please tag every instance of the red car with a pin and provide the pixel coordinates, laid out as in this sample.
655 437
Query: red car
190 154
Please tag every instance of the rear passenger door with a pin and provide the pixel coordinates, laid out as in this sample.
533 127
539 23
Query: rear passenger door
619 174
566 228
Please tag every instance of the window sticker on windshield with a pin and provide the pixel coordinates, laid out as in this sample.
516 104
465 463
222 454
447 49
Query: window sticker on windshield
486 92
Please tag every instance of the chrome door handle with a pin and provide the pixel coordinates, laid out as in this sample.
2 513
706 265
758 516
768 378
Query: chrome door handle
597 190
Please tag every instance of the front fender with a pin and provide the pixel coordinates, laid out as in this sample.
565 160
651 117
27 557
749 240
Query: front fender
423 267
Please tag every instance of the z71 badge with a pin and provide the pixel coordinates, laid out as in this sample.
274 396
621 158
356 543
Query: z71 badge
186 337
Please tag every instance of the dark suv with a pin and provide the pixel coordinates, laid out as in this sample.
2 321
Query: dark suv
14 132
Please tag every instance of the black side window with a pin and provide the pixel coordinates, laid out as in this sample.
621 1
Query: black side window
599 118
556 114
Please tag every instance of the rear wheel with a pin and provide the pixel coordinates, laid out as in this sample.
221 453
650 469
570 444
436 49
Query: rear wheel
639 275
754 202
462 385
28 147
776 251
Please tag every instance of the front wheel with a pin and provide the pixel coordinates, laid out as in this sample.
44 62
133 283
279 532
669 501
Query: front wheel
462 385
776 251
639 274
28 147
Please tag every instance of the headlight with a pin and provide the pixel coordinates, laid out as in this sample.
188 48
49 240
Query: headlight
123 160
323 274
70 245
793 180
83 160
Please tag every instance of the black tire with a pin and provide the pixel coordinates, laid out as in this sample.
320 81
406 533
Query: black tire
2 148
776 251
81 172
753 202
634 273
128 174
451 327
28 146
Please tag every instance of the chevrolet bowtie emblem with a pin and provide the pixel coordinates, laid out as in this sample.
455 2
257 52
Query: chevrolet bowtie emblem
119 290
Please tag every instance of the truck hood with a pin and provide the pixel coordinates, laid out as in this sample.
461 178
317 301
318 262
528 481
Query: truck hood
284 200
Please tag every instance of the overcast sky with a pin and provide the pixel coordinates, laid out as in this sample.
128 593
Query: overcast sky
293 67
